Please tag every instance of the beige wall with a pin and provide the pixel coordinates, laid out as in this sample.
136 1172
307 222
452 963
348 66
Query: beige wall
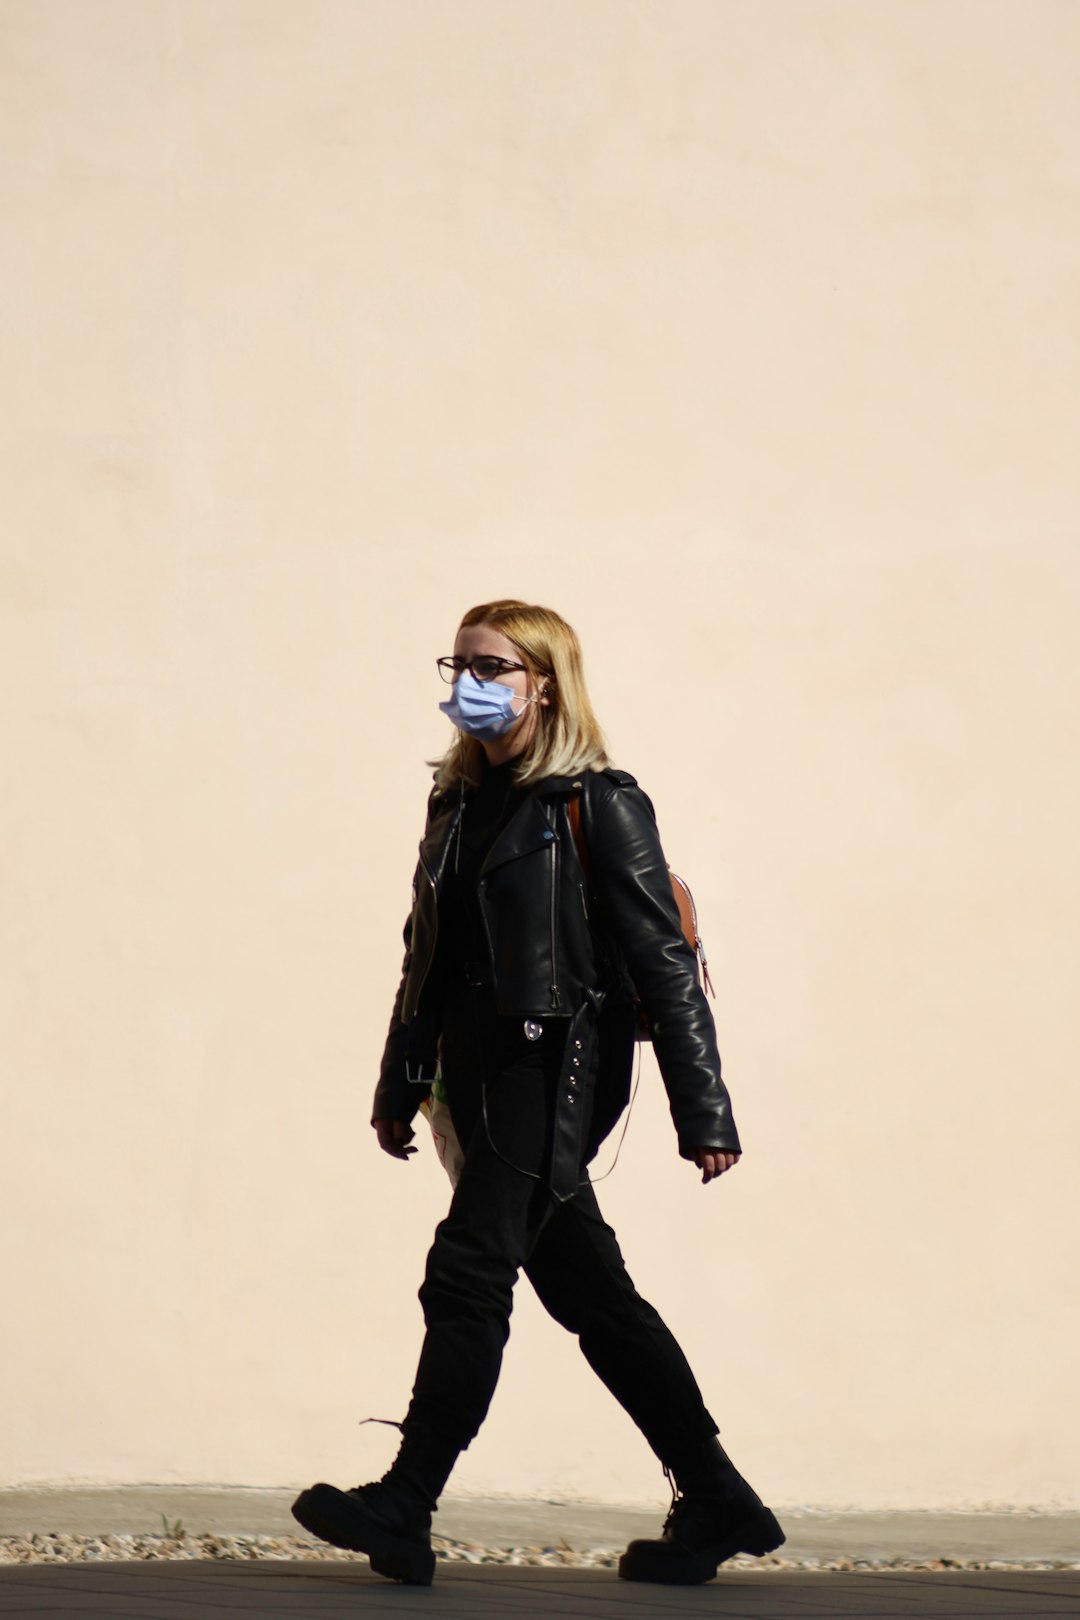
747 335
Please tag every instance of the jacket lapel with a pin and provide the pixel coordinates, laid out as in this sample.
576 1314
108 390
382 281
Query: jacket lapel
530 829
526 832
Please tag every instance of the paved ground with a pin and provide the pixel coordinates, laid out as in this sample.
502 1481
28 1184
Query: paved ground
294 1590
332 1591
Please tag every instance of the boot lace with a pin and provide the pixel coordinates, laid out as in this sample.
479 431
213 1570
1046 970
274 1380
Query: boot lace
676 1500
694 1516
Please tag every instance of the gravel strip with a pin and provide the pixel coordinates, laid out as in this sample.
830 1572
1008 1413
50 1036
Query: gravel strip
56 1549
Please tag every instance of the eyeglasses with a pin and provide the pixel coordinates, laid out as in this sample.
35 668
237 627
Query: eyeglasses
481 669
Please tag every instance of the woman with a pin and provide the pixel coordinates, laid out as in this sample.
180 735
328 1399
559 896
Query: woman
528 938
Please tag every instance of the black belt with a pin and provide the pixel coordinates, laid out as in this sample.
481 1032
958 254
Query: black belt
568 1143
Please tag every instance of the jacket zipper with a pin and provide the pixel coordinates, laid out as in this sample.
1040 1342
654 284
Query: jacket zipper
556 998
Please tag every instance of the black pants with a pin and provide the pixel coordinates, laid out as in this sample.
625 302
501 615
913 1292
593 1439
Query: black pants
500 1088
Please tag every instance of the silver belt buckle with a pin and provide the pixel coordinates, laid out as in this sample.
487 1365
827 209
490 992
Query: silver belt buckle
533 1029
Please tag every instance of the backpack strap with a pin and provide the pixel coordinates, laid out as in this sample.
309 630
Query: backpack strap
573 810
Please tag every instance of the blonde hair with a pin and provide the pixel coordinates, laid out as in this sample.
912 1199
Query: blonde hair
567 737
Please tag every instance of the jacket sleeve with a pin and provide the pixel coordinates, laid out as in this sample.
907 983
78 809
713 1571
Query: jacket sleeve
630 876
395 1096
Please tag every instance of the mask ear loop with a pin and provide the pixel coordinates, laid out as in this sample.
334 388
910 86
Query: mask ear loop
546 690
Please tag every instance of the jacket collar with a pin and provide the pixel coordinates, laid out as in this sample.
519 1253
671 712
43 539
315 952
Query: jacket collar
532 827
555 786
547 787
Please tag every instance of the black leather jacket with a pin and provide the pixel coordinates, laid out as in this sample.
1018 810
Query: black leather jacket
557 937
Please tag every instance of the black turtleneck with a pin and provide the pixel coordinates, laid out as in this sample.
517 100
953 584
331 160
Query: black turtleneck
486 810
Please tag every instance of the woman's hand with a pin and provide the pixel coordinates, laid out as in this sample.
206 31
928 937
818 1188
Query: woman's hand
712 1162
394 1137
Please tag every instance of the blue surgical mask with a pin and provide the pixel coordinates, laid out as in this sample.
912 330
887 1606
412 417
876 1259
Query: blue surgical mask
483 709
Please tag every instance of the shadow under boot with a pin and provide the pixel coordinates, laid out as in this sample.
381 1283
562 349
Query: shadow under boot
714 1515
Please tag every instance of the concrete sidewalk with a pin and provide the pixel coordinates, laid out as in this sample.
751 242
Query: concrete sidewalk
508 1522
332 1591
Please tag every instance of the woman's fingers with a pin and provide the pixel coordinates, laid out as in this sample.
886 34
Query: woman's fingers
713 1162
394 1136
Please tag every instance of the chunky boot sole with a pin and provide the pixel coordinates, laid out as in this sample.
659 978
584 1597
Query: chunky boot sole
665 1563
345 1521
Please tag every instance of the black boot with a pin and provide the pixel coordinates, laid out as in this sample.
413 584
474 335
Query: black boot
374 1519
714 1515
389 1520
